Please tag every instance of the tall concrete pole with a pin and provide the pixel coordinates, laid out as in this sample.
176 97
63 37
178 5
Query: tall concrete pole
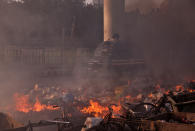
113 17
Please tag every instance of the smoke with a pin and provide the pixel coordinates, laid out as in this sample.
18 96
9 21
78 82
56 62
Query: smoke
17 25
159 35
165 36
143 6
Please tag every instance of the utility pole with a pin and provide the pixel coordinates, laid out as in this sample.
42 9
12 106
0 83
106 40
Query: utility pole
113 17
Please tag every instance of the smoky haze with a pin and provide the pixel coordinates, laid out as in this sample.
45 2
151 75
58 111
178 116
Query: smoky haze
162 32
143 5
165 35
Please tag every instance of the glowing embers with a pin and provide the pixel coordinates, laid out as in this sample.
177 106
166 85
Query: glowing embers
22 104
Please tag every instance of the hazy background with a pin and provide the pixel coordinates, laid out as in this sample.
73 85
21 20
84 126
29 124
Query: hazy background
160 32
143 5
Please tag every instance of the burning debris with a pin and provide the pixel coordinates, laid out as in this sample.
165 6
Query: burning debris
102 96
164 114
23 104
125 106
96 109
134 109
159 110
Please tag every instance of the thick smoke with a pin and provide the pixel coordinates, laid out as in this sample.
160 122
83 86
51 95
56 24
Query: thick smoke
165 37
17 25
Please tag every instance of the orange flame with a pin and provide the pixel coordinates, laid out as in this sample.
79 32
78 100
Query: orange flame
131 98
179 88
39 107
116 109
167 92
96 109
99 111
128 97
150 95
191 90
23 104
192 80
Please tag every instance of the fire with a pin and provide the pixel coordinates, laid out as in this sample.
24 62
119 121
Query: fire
116 109
23 105
150 95
132 99
167 92
39 107
179 88
129 98
99 111
191 90
96 109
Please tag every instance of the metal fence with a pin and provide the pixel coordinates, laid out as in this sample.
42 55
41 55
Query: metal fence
39 56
